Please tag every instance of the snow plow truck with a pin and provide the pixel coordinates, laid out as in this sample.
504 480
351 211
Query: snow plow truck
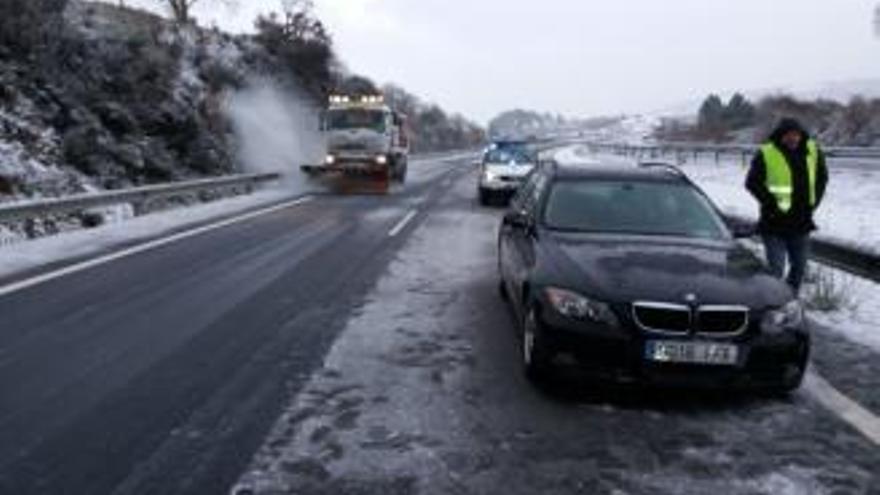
365 138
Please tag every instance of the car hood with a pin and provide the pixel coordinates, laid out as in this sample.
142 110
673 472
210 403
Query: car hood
507 169
628 268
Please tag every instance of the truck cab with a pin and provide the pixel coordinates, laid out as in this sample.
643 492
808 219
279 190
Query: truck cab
363 135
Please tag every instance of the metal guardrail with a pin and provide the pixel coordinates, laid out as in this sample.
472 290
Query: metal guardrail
852 259
744 150
23 210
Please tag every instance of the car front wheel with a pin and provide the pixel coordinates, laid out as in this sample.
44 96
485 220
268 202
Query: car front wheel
537 356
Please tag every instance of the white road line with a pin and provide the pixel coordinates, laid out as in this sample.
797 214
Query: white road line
85 265
845 408
402 223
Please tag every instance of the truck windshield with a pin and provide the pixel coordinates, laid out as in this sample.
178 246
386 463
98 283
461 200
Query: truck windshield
356 119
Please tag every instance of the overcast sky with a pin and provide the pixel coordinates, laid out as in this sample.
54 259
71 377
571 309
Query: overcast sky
589 57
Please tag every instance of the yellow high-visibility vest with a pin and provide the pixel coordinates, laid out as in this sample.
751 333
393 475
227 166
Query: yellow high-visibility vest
778 173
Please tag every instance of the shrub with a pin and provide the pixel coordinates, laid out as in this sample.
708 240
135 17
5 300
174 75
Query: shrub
29 27
827 291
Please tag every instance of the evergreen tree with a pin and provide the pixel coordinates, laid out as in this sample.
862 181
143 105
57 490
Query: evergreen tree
711 114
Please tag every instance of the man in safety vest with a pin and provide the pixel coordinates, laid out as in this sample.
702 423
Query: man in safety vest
788 178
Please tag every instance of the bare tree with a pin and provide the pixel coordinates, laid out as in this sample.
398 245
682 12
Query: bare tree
181 9
301 43
300 22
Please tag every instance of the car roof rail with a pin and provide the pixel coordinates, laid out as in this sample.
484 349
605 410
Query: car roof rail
665 166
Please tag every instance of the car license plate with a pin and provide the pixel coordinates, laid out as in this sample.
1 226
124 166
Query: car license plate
692 352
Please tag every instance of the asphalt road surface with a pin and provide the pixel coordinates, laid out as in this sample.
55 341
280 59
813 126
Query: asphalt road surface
357 344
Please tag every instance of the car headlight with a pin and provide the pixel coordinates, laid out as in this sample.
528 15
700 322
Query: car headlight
790 315
381 159
489 176
330 159
578 307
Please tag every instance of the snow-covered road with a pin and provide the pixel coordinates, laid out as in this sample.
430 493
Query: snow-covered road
357 344
422 393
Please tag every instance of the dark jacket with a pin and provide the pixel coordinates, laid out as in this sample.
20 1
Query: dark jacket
799 219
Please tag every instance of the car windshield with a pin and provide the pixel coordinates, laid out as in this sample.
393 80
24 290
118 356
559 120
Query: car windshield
356 119
509 156
642 208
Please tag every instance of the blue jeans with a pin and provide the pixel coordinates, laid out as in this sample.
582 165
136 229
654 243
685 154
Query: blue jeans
795 250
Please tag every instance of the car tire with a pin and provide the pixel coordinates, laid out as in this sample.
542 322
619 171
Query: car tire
791 385
537 357
502 291
484 197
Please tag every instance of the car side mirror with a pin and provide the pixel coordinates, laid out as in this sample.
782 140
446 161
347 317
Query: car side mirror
740 228
519 220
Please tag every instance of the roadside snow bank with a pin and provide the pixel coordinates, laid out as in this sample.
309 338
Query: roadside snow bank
857 302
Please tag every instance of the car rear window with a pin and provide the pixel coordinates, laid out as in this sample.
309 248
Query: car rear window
642 208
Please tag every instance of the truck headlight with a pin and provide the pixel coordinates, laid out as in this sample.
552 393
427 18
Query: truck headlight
329 159
578 307
381 159
790 315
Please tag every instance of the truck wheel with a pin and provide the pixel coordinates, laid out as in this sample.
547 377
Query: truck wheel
404 165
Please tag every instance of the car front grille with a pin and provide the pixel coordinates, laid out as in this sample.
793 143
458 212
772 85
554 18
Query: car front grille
679 319
662 317
722 320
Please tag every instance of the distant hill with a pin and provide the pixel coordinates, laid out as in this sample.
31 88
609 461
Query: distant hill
840 91
524 124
